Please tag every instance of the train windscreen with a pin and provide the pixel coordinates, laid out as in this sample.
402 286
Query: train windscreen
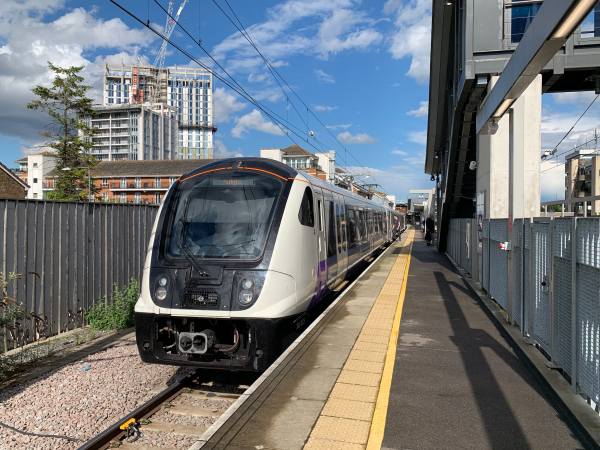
223 215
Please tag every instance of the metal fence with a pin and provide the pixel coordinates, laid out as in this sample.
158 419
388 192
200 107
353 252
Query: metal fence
554 282
67 256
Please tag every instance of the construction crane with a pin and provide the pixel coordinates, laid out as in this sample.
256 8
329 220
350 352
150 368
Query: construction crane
170 24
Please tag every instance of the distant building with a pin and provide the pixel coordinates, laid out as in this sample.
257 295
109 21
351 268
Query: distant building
139 182
582 179
33 169
134 132
402 208
320 165
188 90
11 186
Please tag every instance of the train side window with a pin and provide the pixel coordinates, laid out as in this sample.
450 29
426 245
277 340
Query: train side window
306 215
331 231
320 213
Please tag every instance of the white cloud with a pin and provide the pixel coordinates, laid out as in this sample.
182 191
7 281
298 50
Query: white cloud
421 111
325 108
341 126
552 180
418 137
226 104
573 97
398 180
412 38
335 26
399 152
254 120
345 137
66 39
221 151
324 77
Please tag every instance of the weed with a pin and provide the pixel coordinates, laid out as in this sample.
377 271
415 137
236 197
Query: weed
118 314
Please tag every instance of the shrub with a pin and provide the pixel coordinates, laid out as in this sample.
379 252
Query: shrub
118 314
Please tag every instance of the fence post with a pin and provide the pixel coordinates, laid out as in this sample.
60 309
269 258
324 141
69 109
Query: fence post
531 296
574 321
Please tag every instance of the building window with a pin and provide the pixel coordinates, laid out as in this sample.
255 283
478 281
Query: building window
105 196
157 182
35 180
138 182
123 183
521 18
157 198
35 165
104 182
138 198
172 180
35 195
123 197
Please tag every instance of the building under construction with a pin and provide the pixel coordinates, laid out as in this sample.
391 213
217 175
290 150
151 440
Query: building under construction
188 90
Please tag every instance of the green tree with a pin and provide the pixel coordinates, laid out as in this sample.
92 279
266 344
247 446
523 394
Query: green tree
66 103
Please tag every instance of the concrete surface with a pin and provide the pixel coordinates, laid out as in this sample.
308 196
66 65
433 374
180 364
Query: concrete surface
457 384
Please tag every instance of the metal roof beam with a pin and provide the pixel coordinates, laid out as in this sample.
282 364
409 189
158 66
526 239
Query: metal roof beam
551 27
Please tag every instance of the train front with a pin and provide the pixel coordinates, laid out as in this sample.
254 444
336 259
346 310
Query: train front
208 265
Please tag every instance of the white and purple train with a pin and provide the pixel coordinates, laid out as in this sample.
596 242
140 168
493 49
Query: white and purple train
241 248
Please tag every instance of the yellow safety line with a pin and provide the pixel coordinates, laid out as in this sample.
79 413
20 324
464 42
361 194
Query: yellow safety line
383 396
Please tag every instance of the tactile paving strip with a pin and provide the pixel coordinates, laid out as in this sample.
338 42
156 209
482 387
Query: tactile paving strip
345 420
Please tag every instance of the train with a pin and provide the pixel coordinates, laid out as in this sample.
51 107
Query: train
242 249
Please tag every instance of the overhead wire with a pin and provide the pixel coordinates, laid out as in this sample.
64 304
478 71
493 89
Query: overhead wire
555 148
234 86
277 76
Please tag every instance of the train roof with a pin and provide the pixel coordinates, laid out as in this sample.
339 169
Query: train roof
280 169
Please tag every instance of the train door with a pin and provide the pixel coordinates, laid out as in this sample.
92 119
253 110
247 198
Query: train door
342 240
331 246
321 242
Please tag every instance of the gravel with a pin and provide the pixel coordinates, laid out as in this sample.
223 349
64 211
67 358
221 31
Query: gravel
68 405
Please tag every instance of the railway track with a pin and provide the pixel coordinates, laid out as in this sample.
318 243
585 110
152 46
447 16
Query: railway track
175 418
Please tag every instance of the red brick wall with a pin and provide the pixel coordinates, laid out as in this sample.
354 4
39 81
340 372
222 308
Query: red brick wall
9 188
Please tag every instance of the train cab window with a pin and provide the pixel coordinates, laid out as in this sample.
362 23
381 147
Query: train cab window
306 215
331 230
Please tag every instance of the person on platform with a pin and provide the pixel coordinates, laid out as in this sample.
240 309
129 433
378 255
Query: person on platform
429 230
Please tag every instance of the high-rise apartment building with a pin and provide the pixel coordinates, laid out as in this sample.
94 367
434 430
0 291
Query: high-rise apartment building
188 90
134 132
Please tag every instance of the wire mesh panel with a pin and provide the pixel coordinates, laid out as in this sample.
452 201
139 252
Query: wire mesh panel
540 233
517 274
498 262
527 276
588 307
561 285
485 282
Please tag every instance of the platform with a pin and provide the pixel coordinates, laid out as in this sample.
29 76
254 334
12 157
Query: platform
408 359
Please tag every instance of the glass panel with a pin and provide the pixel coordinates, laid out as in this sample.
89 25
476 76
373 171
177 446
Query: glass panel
223 216
521 18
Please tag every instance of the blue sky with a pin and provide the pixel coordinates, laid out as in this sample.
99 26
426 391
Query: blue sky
362 66
347 59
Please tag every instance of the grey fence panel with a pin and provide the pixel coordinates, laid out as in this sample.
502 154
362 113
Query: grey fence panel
485 282
588 307
542 326
498 262
67 255
517 275
527 276
561 285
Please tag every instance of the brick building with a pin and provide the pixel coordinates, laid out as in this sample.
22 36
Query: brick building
11 186
140 182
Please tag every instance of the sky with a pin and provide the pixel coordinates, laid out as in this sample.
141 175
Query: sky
362 68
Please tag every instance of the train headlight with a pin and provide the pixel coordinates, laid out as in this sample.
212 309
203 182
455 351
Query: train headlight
245 297
161 291
247 284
